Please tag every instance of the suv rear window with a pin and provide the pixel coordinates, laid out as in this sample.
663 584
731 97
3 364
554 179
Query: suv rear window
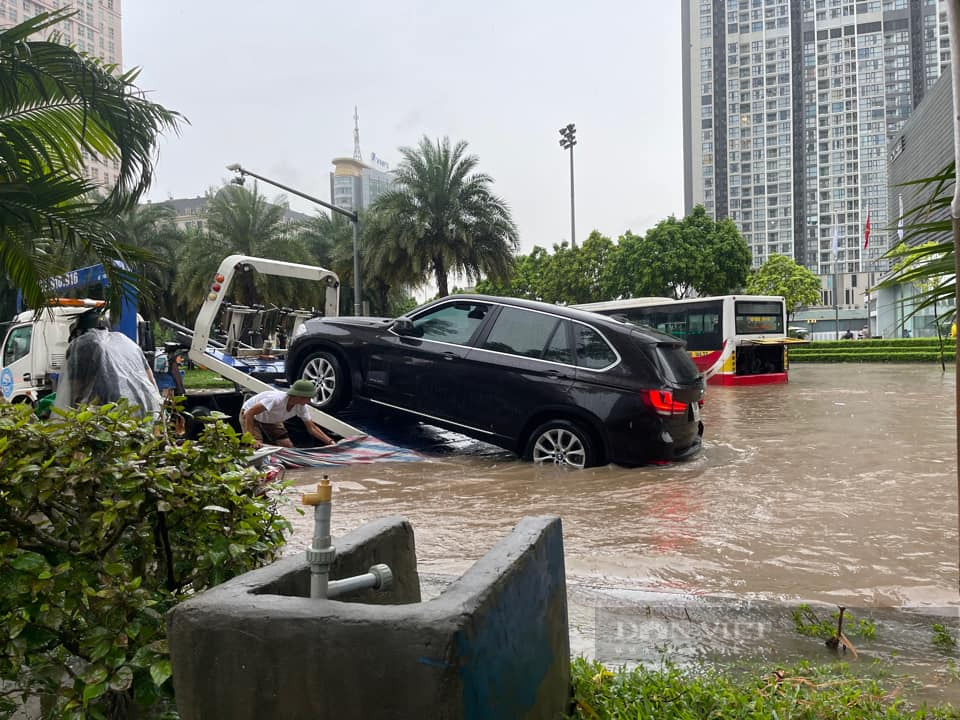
593 352
674 362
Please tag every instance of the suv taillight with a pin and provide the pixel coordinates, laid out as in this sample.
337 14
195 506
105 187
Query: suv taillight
662 402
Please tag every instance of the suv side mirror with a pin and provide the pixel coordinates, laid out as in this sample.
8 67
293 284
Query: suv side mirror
403 327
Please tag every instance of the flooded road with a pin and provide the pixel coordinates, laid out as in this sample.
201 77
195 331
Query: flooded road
838 487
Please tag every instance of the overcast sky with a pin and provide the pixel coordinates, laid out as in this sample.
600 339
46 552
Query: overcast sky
272 85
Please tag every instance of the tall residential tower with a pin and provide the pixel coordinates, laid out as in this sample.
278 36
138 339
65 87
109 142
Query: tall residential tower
788 109
94 29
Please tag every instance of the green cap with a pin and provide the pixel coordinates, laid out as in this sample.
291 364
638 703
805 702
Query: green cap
302 388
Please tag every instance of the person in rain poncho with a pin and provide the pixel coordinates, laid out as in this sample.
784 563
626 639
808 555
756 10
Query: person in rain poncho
103 366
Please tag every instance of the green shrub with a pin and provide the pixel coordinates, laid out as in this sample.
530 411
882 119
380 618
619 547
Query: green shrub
104 526
801 692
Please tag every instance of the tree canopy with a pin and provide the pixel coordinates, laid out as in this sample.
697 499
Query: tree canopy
57 104
673 259
441 217
679 258
780 275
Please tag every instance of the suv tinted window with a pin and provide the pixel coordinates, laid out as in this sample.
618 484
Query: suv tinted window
454 323
592 350
674 362
558 349
521 332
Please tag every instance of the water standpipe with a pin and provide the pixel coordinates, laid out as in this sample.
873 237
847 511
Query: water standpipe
322 553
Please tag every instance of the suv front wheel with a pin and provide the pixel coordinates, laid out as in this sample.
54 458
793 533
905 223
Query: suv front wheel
324 370
561 442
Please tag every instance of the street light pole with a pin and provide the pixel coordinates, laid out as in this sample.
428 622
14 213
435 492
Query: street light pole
568 138
354 218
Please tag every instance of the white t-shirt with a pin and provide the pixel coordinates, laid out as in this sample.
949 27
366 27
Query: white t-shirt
275 407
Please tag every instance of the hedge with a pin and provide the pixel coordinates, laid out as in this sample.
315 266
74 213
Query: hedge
896 357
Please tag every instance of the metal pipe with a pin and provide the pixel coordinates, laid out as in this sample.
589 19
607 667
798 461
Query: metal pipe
379 577
573 221
357 305
321 554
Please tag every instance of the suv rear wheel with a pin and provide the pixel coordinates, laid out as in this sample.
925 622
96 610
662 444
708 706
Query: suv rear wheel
323 369
561 442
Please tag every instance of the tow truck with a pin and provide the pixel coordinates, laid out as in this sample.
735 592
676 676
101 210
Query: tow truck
249 351
252 348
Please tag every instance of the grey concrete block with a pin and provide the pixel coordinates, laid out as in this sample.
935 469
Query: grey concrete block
495 644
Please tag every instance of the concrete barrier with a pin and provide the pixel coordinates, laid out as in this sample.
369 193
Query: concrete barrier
494 644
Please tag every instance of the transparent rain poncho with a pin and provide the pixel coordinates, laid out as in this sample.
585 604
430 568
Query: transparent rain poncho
102 367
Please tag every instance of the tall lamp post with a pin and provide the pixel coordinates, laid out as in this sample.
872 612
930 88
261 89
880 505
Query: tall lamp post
568 138
354 218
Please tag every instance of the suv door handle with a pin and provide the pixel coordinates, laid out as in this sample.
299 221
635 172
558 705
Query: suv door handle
26 377
449 356
557 375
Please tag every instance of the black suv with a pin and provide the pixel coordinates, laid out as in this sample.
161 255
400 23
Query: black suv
550 383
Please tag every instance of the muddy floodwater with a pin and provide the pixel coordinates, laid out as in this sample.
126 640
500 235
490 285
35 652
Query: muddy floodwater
839 486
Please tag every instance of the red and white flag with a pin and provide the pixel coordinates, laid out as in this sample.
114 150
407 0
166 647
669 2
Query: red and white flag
866 231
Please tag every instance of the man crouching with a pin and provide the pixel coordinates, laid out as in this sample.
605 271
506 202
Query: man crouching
263 415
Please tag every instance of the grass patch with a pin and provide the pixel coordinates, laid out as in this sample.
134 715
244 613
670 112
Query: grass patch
198 379
800 692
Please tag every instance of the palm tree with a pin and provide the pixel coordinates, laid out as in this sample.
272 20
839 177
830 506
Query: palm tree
440 218
242 222
329 240
55 105
151 228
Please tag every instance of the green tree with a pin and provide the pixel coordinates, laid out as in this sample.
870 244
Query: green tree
243 222
55 105
927 256
442 218
104 527
527 279
780 275
151 228
579 274
329 241
677 258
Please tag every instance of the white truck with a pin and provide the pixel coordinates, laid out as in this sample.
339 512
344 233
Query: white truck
34 348
35 342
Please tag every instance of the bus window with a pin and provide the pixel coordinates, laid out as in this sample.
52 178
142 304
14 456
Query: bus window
758 318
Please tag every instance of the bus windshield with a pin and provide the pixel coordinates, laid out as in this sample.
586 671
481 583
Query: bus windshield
758 318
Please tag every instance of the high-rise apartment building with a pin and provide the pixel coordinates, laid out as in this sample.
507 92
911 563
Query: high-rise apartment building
93 29
788 109
354 184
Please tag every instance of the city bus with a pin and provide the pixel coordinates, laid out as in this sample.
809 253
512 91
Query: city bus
733 339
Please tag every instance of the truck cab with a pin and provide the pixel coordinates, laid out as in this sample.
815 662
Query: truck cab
34 347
